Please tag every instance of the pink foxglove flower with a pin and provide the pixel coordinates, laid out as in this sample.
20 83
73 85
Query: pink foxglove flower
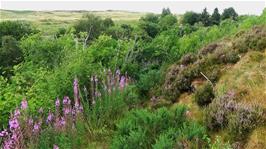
24 104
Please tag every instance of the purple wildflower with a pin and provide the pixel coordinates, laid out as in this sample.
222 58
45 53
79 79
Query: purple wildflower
13 124
50 117
55 147
30 121
17 112
66 100
67 110
3 133
122 82
57 102
36 127
75 87
8 144
24 104
62 121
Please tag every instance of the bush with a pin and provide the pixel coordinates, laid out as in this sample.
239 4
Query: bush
216 114
147 81
204 95
243 121
10 55
208 49
240 119
159 129
17 29
188 59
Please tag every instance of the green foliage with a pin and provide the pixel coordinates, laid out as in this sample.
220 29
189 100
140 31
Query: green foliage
44 52
145 129
205 17
216 17
69 139
229 13
190 18
204 95
149 24
218 144
17 29
92 25
10 55
147 81
165 12
108 22
167 22
107 110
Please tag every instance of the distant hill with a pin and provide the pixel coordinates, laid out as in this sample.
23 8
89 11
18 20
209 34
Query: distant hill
51 20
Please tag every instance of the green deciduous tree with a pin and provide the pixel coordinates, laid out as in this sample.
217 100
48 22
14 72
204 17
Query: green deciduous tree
229 13
191 18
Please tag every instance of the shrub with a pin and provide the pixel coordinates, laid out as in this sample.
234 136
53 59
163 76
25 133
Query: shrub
188 59
159 129
148 81
17 29
208 49
204 95
216 114
243 121
240 119
231 57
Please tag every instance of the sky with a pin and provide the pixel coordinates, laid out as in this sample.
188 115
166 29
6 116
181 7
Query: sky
179 7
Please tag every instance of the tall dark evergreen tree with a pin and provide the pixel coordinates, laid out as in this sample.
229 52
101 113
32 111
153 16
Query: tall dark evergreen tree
216 17
205 17
165 12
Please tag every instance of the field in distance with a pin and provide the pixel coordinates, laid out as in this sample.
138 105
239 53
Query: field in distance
49 21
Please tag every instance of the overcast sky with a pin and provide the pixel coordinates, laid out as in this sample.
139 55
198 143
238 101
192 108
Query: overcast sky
179 7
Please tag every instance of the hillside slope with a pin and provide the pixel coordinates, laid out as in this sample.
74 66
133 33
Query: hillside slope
236 69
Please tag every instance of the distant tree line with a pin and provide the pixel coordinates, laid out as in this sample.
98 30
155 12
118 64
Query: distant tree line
206 19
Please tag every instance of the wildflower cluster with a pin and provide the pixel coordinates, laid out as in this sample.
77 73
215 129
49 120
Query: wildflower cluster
23 127
109 83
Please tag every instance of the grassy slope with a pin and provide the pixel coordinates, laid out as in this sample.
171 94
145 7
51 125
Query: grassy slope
248 79
248 76
49 21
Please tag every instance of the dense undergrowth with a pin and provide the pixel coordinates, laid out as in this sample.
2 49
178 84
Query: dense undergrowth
121 70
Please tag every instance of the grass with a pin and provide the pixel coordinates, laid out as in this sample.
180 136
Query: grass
50 21
247 78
